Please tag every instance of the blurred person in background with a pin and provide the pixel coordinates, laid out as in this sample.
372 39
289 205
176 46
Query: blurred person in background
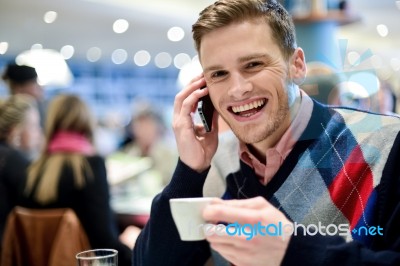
381 99
20 133
22 125
24 79
69 174
149 139
109 132
387 98
322 83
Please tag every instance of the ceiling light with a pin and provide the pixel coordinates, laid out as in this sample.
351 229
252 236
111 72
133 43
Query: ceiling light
119 56
181 59
50 17
37 46
93 54
196 59
163 60
3 47
50 66
189 71
142 58
382 30
67 51
175 34
120 26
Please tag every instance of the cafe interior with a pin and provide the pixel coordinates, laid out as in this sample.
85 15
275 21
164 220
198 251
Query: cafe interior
127 59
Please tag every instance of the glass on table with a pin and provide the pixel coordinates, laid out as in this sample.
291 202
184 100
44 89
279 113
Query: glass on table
97 257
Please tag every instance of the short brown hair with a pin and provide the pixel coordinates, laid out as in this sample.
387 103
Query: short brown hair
226 12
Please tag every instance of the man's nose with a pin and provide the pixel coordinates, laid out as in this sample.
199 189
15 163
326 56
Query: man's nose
239 87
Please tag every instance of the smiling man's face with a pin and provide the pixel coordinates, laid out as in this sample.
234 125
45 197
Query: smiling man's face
248 80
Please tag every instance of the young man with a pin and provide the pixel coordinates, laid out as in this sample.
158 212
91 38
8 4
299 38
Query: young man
24 79
327 172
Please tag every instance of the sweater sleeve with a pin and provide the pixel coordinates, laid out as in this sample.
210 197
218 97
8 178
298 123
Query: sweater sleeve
159 242
13 167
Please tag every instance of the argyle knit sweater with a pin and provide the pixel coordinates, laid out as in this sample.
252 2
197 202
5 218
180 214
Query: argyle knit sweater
343 171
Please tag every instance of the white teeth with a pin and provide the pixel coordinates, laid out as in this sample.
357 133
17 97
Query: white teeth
249 106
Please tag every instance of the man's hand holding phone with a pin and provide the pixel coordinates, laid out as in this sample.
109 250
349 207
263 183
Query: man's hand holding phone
196 146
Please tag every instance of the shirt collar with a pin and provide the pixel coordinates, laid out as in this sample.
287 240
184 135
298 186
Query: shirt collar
284 145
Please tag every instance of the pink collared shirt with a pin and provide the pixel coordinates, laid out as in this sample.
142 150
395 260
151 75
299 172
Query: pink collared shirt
276 155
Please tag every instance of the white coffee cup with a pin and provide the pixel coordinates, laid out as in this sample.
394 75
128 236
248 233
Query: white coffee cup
187 215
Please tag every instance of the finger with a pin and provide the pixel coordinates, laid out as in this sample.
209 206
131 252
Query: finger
199 76
226 250
232 214
183 119
199 130
190 102
256 203
238 237
252 203
195 84
216 201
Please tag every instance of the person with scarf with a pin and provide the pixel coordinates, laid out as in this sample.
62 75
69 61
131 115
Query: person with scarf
69 174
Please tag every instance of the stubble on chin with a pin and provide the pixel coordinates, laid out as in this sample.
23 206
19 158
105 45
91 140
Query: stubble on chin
257 132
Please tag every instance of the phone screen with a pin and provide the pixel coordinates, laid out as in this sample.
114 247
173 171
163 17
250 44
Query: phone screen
206 111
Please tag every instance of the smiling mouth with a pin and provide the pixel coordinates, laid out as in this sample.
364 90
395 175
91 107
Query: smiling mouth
248 109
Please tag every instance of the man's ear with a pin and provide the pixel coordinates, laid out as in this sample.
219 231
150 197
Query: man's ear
298 68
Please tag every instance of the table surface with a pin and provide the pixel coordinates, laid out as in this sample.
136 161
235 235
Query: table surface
131 211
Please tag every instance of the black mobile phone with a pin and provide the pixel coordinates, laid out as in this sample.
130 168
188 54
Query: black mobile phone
206 111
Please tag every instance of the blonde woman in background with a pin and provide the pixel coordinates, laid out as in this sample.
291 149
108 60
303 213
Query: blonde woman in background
69 174
20 134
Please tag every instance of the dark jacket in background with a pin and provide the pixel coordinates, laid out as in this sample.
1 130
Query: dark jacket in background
13 165
92 206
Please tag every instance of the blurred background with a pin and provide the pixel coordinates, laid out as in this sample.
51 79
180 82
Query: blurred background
115 53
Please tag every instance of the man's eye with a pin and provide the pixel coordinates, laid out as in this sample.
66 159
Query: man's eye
218 74
253 64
